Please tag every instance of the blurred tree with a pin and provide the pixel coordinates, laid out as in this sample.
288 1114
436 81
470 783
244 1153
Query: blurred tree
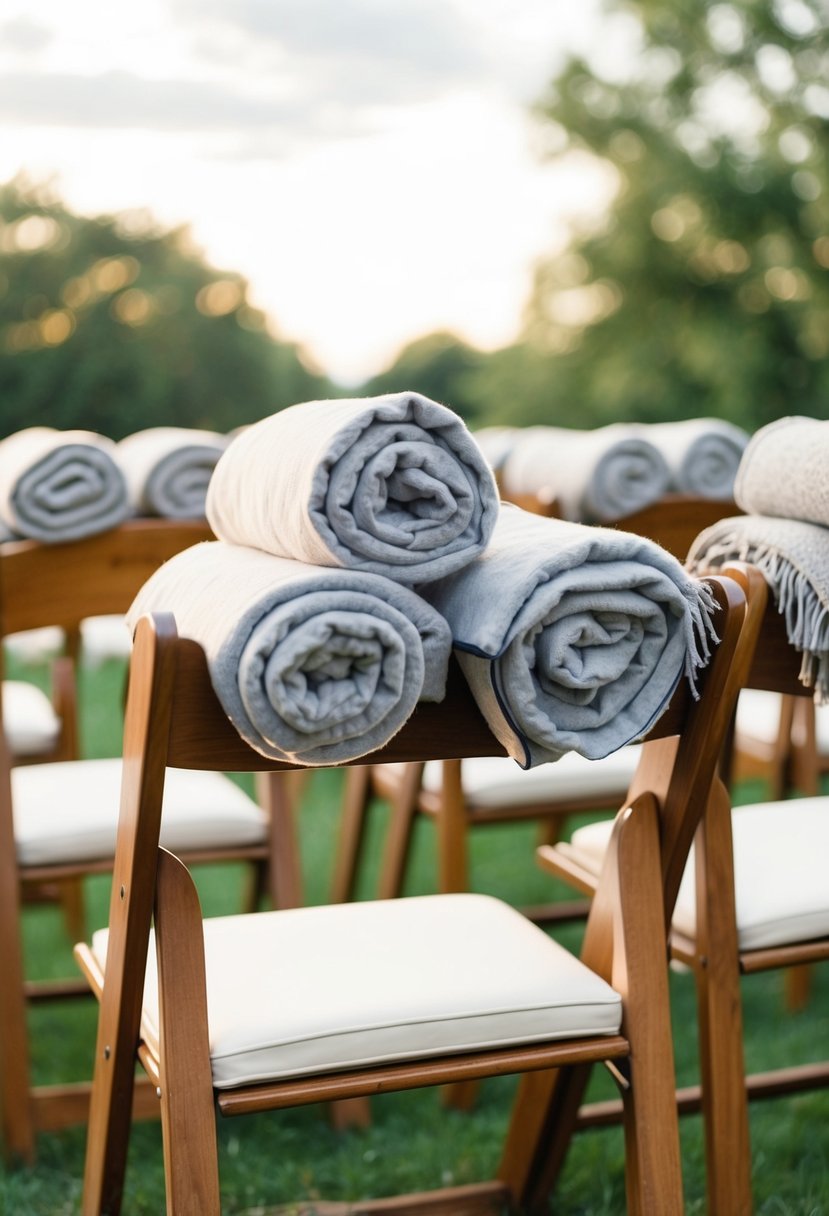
440 366
112 325
705 289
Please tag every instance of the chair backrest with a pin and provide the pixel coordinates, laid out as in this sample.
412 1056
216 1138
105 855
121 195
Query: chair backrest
676 520
100 575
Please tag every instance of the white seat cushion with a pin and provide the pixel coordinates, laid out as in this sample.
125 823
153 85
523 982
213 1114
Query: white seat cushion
105 637
342 986
69 811
758 716
498 781
29 719
780 883
35 645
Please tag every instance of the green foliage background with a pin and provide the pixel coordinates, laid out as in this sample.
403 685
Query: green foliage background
113 326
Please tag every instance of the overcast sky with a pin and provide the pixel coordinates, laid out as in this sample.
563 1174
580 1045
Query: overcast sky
369 165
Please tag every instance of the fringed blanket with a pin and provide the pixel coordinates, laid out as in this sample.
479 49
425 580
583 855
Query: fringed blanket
60 485
794 557
311 664
572 638
703 454
168 469
783 484
393 485
595 476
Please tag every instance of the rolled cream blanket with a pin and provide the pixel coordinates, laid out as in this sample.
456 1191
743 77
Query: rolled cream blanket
783 471
703 454
496 443
572 638
595 476
60 485
168 469
313 665
393 485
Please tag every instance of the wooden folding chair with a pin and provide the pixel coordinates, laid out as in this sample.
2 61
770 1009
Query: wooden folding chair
58 821
460 796
358 999
777 915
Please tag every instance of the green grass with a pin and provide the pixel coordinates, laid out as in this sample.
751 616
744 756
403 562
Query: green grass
413 1143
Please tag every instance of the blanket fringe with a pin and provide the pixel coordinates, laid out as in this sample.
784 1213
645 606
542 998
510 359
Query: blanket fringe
805 614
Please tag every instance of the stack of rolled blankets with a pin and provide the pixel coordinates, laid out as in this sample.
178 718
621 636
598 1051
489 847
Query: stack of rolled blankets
359 541
783 487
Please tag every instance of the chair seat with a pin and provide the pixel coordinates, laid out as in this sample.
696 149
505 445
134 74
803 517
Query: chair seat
758 716
780 851
29 719
310 990
68 812
498 781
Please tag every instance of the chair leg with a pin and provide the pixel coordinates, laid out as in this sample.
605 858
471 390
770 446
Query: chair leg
798 981
349 851
540 1130
624 941
16 1124
453 868
279 794
188 1120
399 837
722 1067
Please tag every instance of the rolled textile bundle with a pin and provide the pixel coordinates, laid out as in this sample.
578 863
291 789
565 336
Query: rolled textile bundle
573 638
782 484
783 471
703 454
596 476
496 443
311 664
60 485
168 469
794 557
392 485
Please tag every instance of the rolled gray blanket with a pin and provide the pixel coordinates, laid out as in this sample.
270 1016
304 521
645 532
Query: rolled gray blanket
168 469
595 476
572 638
311 664
393 485
703 454
60 485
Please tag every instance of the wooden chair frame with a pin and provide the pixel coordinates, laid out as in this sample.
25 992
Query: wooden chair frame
62 585
718 963
173 718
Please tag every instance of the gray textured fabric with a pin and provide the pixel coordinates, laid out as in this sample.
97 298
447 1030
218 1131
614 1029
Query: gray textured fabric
168 469
784 471
394 485
60 485
311 664
783 486
572 638
596 476
703 454
794 557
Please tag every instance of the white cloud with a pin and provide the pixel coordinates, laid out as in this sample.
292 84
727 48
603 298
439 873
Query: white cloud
367 164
